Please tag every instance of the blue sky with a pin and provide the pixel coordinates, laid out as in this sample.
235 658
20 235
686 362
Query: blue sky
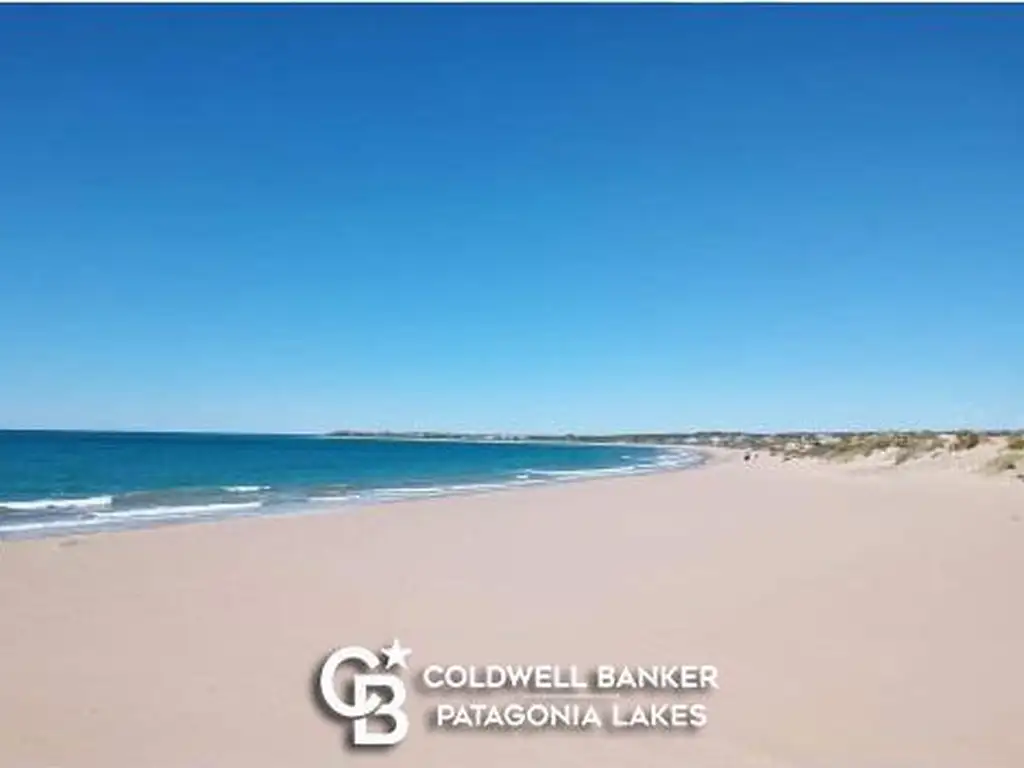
511 218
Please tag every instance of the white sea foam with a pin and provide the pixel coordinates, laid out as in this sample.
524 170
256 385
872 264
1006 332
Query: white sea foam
113 519
678 459
184 510
92 502
630 469
399 494
50 525
245 488
403 492
470 487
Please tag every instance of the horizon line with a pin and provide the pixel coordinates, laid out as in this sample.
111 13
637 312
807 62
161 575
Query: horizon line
577 435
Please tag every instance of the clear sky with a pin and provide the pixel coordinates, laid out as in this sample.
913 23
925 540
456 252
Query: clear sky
511 218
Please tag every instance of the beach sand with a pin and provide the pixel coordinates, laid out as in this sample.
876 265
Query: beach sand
857 618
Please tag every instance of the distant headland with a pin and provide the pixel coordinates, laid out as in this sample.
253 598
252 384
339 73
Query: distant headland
1003 449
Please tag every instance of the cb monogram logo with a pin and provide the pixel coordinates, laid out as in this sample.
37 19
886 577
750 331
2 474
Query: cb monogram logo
367 704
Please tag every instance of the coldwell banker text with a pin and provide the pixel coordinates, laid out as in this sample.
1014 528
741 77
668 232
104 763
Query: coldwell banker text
509 697
579 709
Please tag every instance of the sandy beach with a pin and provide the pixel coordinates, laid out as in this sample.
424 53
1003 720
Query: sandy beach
857 618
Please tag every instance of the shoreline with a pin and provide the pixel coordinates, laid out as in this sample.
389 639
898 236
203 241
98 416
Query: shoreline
236 507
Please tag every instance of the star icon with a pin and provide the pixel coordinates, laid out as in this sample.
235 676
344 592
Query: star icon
396 655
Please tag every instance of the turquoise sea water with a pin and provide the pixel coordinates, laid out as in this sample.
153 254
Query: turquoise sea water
74 482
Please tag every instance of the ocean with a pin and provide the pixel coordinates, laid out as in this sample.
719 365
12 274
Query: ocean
59 483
